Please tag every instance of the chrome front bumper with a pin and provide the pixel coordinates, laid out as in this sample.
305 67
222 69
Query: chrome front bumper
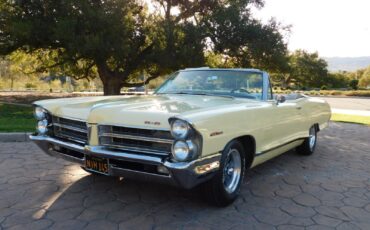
183 174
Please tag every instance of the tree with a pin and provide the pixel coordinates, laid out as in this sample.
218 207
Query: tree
365 78
337 80
117 40
353 84
305 70
14 66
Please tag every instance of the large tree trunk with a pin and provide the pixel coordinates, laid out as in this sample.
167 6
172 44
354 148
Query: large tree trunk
111 88
111 84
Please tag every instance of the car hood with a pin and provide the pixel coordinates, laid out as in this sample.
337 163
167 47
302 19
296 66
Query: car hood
147 110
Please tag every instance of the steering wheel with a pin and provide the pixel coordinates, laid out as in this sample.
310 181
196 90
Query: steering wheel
241 90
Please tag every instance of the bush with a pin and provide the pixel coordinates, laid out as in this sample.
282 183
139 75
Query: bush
334 92
30 86
353 84
360 93
324 87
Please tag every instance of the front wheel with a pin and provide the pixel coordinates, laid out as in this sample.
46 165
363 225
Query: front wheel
309 144
224 188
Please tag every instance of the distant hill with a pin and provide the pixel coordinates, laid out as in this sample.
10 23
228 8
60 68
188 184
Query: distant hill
347 63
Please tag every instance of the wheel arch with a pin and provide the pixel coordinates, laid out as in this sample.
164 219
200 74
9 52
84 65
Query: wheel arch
249 145
317 127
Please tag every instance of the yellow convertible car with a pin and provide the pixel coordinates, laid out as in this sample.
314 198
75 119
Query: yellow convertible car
201 127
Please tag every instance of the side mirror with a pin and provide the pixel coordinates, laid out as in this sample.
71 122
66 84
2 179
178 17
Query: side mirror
280 99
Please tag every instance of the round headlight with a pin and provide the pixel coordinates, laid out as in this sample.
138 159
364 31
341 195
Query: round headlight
180 129
180 151
40 113
42 126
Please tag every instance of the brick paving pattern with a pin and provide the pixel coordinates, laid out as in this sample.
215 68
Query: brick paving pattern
329 190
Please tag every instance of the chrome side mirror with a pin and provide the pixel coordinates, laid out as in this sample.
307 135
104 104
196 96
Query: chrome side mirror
280 99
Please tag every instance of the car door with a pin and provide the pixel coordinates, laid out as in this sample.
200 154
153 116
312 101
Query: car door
283 121
288 122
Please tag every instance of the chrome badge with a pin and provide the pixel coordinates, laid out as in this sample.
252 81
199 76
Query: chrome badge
152 122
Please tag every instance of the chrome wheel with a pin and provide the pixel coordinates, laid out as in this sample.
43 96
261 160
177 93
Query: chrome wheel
232 171
312 138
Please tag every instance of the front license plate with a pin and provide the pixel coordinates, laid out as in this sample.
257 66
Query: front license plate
97 164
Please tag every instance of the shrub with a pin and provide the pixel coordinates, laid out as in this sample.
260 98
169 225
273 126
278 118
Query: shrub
334 92
30 86
353 84
361 93
324 87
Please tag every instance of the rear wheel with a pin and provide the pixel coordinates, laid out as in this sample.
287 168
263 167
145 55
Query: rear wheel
309 144
224 187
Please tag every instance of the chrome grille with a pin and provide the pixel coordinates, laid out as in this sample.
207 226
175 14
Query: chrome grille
69 129
146 141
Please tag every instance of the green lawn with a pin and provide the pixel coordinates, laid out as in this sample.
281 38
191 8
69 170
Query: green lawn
351 118
14 118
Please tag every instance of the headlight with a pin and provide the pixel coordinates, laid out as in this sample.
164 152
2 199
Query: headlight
182 151
40 113
42 126
180 129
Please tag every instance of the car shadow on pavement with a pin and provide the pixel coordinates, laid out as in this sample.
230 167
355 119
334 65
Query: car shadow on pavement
132 204
328 189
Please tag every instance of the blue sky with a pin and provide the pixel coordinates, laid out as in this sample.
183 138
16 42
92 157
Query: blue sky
332 27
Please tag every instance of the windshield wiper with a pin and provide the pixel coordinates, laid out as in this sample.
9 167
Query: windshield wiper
179 92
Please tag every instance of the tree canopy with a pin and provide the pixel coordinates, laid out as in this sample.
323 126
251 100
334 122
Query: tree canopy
118 40
365 78
304 70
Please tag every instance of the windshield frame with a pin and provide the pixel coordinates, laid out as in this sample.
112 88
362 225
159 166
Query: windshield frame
265 83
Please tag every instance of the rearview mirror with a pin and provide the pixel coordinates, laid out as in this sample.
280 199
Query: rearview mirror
280 99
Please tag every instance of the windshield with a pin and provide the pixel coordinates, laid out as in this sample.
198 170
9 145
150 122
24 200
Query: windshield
215 82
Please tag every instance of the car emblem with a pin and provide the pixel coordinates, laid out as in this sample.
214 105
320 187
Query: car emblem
216 133
152 122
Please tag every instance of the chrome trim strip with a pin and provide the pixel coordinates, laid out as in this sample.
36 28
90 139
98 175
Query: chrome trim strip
79 140
134 126
185 165
279 146
71 128
140 172
65 144
136 149
140 138
101 151
68 118
265 86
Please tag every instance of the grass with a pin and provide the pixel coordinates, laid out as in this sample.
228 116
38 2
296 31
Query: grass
14 118
351 118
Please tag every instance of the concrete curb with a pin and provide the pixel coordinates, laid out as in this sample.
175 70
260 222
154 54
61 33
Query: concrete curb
14 137
364 113
18 104
339 96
